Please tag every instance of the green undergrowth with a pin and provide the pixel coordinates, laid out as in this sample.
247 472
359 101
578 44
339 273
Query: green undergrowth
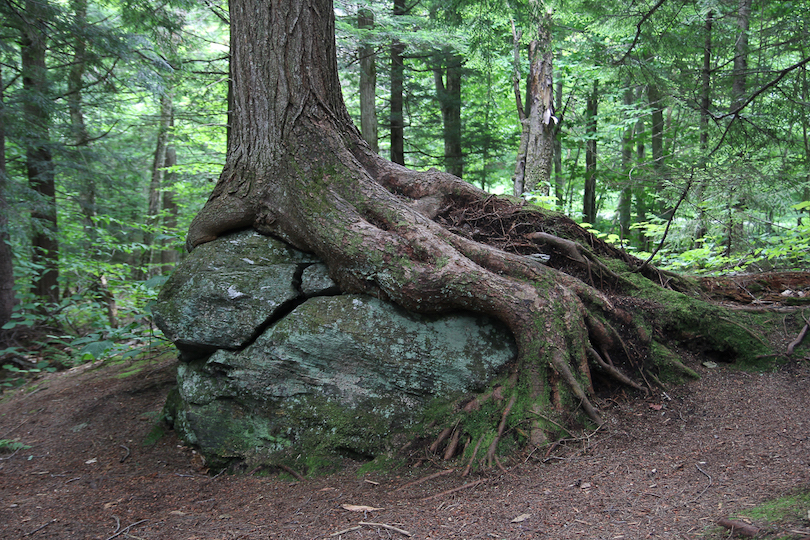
786 517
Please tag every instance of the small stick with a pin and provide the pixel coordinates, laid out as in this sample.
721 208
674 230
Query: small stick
384 526
126 529
51 522
344 531
707 476
424 479
449 491
129 453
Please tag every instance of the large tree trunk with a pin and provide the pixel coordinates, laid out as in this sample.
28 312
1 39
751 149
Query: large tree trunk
39 161
297 168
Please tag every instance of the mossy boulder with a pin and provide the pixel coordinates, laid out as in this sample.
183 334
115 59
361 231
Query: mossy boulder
319 372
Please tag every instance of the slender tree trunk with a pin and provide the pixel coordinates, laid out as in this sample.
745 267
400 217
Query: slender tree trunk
626 194
706 84
705 115
589 196
368 83
6 267
740 71
39 161
397 118
656 101
447 76
76 75
805 95
169 254
153 208
541 119
519 178
559 178
640 190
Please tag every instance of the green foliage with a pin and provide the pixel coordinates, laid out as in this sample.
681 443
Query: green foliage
748 175
10 446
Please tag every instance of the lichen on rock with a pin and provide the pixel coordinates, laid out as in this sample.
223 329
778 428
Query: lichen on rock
289 364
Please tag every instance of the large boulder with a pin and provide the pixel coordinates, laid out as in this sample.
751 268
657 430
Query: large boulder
274 360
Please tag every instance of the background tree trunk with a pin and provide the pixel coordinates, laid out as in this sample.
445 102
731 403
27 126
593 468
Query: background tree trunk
519 178
624 209
76 75
154 196
397 118
6 267
39 161
368 83
168 254
740 71
540 116
589 195
447 76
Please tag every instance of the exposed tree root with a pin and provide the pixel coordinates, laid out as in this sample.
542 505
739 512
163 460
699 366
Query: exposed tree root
432 243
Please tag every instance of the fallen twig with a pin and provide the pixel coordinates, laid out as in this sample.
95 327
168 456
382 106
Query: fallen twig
707 476
739 527
424 479
384 526
129 453
126 529
51 522
449 491
344 531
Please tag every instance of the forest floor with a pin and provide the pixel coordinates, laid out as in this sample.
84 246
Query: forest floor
733 444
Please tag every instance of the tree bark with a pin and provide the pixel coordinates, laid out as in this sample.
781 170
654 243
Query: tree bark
39 161
540 116
298 169
368 83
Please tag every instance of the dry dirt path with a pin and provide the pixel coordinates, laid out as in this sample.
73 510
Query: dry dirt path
667 467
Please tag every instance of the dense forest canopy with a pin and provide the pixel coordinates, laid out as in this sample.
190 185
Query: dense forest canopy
678 129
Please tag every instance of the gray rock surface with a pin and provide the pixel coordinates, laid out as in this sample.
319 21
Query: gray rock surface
276 361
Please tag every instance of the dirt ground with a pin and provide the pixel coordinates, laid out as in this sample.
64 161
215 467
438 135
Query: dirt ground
666 466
